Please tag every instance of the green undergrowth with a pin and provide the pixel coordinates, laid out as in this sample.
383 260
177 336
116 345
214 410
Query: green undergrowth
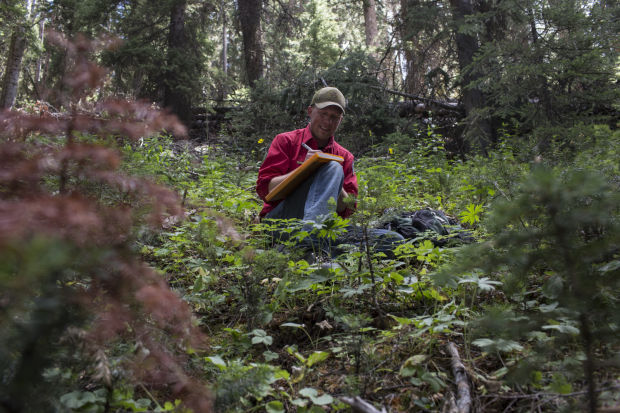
534 328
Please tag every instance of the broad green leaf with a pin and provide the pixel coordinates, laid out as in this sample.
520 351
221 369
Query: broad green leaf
274 407
416 360
411 366
408 371
260 336
499 344
78 399
562 328
472 214
316 357
350 292
396 277
282 374
402 320
610 266
313 395
322 400
299 402
218 361
547 308
435 382
308 392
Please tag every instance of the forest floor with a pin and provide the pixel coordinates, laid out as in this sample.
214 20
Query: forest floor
289 335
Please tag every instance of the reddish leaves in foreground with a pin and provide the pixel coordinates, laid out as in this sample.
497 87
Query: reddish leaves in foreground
53 188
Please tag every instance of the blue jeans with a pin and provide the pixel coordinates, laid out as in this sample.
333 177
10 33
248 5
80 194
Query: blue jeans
310 201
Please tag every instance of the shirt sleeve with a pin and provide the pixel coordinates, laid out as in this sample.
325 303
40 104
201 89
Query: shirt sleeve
350 184
275 164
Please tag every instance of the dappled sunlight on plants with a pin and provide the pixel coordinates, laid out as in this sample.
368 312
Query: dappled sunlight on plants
122 249
288 333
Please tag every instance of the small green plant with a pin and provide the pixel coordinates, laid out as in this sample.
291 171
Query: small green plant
242 386
472 215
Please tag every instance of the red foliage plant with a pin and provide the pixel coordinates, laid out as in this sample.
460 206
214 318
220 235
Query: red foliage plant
47 176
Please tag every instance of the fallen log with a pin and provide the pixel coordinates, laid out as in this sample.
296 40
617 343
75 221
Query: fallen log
463 396
455 107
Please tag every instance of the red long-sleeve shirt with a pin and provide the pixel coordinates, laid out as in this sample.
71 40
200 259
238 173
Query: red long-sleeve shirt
285 155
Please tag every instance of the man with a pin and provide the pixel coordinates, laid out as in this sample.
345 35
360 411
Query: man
311 200
288 150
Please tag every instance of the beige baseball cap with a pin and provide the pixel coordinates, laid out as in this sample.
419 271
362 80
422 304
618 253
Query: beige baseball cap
329 96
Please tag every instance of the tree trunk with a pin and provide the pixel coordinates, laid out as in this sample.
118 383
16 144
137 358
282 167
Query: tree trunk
370 22
478 131
222 89
13 68
249 19
175 97
408 47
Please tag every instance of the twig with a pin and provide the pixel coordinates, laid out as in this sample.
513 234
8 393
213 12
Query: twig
360 405
463 397
500 190
450 405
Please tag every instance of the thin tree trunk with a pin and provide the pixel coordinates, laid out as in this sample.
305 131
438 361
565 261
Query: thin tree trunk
39 64
410 57
223 92
224 40
249 18
532 21
10 80
479 129
370 22
174 97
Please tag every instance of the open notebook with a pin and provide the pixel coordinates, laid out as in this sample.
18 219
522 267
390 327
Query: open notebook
300 174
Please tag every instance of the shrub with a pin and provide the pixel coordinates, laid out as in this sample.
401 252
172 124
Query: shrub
71 283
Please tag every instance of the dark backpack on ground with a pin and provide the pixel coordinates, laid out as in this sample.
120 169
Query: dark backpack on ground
429 224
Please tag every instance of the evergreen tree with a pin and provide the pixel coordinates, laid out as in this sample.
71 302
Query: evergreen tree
555 69
556 244
162 55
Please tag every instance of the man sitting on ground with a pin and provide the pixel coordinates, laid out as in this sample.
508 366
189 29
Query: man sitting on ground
310 201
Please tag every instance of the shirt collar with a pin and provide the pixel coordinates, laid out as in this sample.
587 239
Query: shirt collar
307 137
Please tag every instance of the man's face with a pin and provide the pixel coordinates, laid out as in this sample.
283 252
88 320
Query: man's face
324 122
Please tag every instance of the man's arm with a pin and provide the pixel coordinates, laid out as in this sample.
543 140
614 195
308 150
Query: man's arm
276 180
347 203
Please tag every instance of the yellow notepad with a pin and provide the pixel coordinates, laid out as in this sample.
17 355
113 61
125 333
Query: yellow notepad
300 174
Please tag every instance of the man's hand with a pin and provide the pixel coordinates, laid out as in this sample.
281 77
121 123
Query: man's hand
342 200
311 152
